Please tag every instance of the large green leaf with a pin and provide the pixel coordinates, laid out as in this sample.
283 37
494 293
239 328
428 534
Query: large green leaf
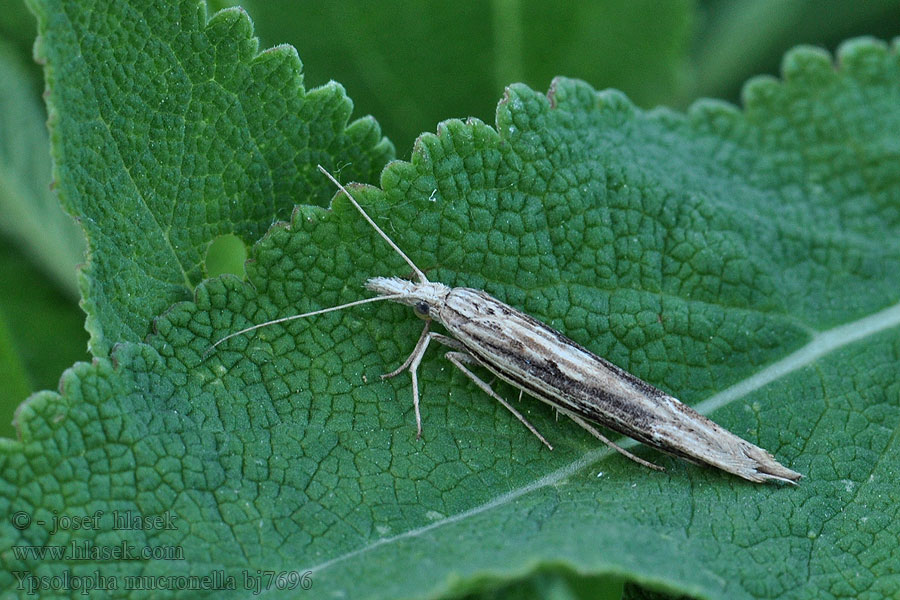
461 55
32 217
169 130
740 38
41 330
746 261
41 333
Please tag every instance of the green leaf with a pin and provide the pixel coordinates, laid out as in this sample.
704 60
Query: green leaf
17 30
169 130
462 55
41 334
13 374
41 329
32 217
746 261
743 37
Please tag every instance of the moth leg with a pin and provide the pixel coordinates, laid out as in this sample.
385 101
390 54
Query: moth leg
412 363
458 358
418 350
593 431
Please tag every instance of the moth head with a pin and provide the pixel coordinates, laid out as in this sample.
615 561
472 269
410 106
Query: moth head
426 298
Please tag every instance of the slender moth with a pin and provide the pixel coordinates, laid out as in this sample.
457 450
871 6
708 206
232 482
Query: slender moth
544 363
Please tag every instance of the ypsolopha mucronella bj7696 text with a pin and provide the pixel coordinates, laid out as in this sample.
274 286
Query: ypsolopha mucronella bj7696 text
544 363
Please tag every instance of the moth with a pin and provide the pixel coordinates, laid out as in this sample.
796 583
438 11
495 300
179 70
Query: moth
544 363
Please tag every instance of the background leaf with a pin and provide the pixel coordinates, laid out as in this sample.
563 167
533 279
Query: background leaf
204 135
41 245
43 335
462 55
30 210
743 38
745 260
39 250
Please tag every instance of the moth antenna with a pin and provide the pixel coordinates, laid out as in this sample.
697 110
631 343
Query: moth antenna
303 316
416 270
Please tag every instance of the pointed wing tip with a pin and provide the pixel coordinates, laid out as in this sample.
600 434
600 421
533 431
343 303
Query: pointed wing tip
764 468
772 470
785 476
